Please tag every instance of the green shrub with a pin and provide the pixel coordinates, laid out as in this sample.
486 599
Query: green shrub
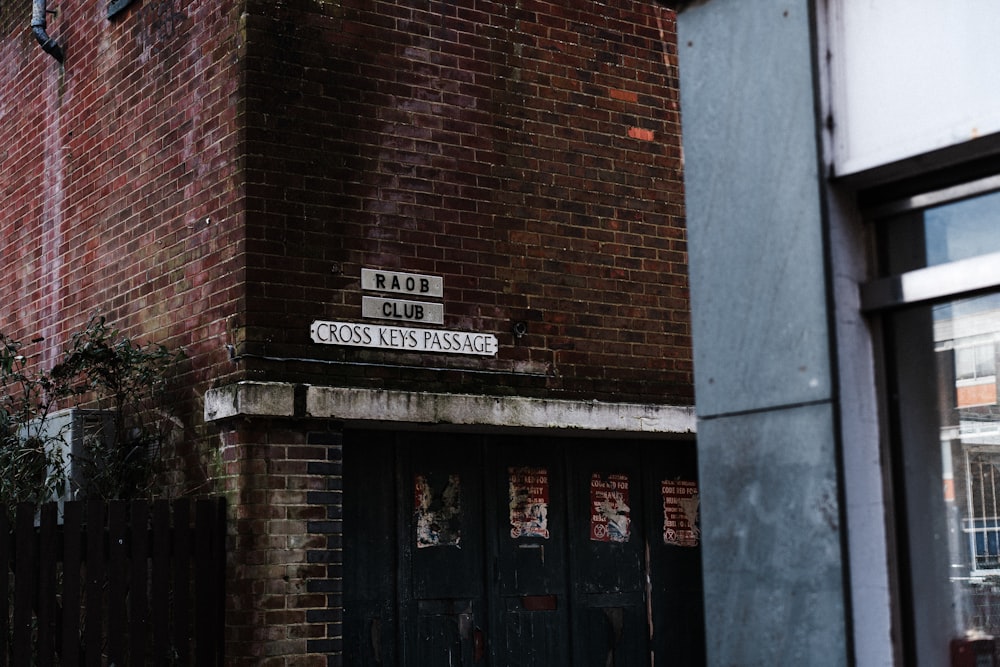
100 369
31 470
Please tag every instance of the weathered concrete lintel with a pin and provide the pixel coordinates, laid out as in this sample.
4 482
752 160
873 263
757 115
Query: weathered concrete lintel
276 399
250 399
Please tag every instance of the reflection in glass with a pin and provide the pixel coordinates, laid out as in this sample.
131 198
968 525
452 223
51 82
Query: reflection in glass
962 229
966 335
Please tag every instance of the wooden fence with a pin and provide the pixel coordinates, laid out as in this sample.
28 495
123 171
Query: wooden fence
113 583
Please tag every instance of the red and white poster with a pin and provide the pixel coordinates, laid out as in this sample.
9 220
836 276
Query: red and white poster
680 513
610 514
529 502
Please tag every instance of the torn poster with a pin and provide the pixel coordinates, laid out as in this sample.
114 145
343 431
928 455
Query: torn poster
680 513
610 512
529 502
437 511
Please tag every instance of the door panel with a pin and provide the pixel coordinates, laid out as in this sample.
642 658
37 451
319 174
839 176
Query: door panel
677 610
445 632
441 534
533 634
370 525
611 631
608 552
528 531
529 517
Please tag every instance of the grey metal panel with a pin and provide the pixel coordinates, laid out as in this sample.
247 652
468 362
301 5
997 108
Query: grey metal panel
753 205
772 549
772 552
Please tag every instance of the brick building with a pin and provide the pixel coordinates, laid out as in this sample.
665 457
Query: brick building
428 264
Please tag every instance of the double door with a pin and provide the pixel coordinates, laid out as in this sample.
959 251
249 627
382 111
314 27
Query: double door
479 550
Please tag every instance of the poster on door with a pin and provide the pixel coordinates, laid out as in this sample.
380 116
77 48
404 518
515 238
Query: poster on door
680 513
529 502
437 510
609 508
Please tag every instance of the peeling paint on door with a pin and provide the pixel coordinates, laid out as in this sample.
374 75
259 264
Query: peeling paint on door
437 512
610 517
529 502
680 513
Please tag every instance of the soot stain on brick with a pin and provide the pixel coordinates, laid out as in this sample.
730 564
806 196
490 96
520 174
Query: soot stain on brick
160 22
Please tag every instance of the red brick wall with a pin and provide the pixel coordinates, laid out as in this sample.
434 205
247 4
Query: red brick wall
527 153
120 175
281 604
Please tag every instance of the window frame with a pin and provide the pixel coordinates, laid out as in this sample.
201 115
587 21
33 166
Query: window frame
881 299
965 277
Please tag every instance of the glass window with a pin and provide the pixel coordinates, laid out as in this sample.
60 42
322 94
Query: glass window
962 229
941 351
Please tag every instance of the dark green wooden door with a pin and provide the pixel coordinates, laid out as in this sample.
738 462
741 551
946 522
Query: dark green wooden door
517 552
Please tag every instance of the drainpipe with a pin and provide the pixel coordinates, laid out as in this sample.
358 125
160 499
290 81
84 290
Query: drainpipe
49 45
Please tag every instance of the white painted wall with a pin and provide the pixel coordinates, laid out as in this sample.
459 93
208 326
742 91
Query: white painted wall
911 76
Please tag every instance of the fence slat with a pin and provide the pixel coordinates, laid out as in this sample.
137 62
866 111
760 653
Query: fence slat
93 622
139 579
204 575
182 581
72 581
161 583
24 583
6 539
117 549
47 548
219 589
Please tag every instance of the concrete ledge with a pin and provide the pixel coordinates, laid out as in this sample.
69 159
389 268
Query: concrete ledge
260 399
277 399
509 411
